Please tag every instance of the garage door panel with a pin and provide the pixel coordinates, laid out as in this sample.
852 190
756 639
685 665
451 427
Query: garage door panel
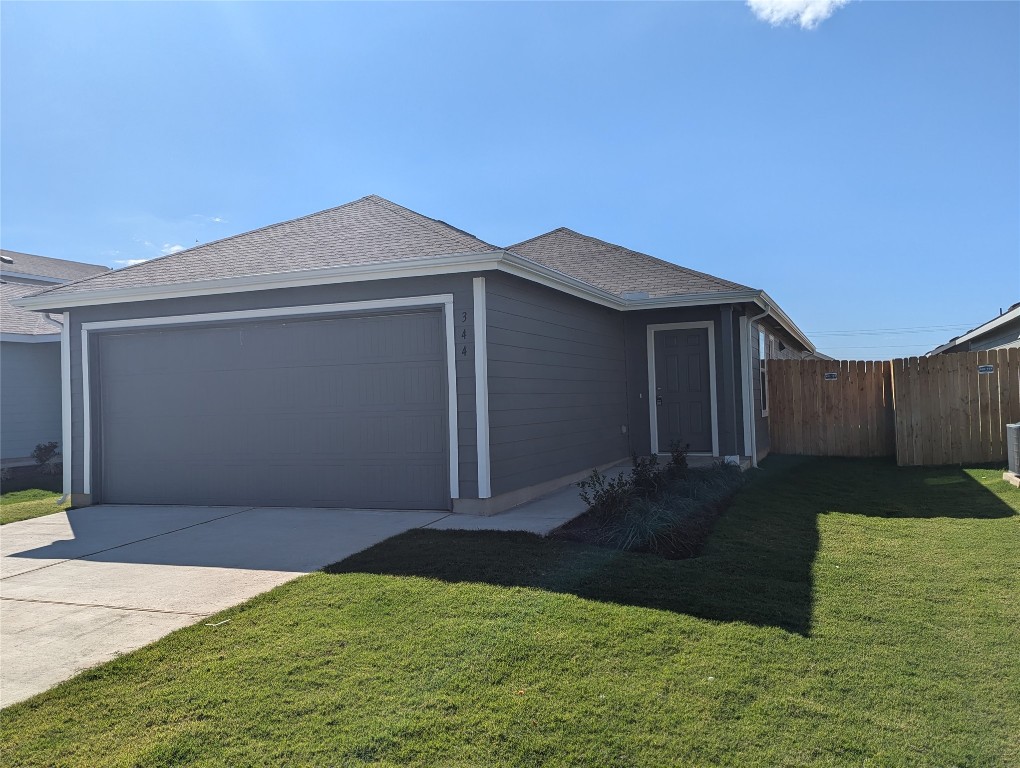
210 416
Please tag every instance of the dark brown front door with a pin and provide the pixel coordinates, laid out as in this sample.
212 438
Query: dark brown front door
683 399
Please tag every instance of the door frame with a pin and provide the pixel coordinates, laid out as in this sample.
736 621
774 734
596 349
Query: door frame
653 409
443 301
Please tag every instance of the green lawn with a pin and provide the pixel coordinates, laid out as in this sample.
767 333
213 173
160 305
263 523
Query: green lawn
845 613
24 505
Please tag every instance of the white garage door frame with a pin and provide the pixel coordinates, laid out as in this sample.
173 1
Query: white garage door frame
443 300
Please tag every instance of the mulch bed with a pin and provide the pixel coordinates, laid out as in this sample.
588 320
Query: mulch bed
685 540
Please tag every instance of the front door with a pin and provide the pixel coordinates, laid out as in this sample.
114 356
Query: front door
683 398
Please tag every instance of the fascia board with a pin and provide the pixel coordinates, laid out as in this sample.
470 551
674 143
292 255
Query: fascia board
500 260
438 265
30 338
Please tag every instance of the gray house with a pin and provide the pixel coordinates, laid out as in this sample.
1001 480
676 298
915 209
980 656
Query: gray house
368 356
1000 332
30 354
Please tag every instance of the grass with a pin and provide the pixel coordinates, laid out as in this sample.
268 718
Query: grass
24 505
845 613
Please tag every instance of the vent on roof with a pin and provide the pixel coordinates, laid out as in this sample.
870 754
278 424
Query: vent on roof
6 259
634 295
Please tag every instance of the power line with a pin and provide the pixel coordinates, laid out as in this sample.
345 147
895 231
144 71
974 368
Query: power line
879 331
879 346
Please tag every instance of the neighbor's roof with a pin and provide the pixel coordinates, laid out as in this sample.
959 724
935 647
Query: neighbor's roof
616 269
24 321
45 267
365 231
1011 314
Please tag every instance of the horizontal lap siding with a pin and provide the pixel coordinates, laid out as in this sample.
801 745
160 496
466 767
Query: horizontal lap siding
557 384
30 383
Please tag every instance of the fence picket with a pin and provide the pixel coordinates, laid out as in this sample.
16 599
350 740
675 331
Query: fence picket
925 411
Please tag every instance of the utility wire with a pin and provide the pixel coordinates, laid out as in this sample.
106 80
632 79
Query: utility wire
879 331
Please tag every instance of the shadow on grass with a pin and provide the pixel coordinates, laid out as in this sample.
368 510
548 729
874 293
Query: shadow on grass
756 568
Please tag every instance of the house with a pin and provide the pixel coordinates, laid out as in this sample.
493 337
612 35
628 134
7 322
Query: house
368 356
1001 332
30 354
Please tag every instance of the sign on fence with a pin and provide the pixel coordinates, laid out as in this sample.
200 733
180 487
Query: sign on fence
946 409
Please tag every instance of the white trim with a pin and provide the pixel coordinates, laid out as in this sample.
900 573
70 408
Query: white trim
445 300
86 432
249 314
482 389
30 338
500 260
763 368
1006 317
37 278
438 265
65 402
653 410
747 394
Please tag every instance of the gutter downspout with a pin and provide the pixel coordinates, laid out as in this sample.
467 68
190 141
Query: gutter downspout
750 360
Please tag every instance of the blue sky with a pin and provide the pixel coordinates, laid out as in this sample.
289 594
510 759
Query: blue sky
865 172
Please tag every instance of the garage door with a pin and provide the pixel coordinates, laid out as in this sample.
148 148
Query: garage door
328 412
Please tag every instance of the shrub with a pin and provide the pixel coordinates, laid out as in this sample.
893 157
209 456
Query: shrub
605 497
645 475
44 455
669 510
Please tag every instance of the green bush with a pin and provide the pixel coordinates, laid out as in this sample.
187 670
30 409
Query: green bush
666 509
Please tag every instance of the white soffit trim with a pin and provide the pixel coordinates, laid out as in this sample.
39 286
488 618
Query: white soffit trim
30 338
445 300
653 410
503 261
482 389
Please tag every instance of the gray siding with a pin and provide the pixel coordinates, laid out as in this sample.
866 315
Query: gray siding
557 383
637 367
458 285
30 401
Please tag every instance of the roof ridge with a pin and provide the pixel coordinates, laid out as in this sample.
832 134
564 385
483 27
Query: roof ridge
644 255
424 221
539 237
211 242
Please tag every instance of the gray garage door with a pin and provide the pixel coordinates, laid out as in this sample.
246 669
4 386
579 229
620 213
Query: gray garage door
333 412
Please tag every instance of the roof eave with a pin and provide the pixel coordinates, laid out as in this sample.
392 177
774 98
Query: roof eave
501 260
53 301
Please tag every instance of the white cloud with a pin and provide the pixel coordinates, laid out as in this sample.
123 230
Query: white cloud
808 13
167 249
128 262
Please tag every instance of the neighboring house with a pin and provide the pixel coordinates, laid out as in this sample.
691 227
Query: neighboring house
368 356
1002 332
30 354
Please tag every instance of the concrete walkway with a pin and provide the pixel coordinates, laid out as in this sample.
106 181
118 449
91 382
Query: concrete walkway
78 588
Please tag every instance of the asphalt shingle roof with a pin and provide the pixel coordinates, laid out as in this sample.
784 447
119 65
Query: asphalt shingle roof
364 231
23 321
44 266
373 230
616 269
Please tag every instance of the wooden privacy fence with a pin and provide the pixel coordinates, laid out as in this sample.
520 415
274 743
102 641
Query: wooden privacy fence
831 407
946 409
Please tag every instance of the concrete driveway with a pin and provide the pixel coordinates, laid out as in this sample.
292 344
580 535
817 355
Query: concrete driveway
81 587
